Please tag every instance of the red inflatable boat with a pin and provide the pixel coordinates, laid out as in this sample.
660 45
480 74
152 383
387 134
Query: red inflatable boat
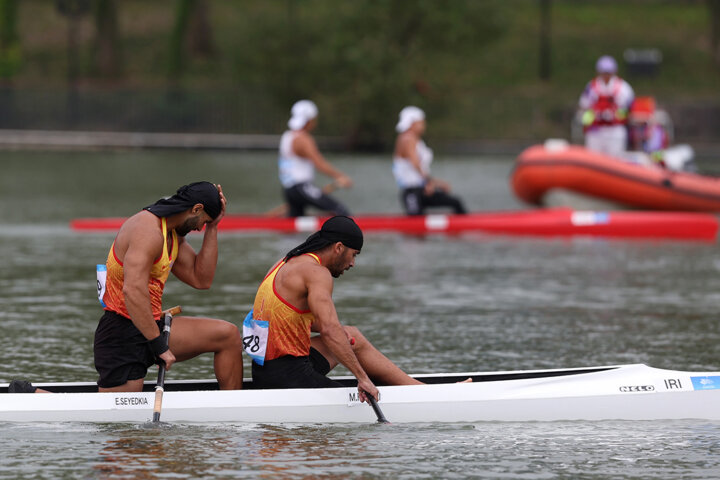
541 169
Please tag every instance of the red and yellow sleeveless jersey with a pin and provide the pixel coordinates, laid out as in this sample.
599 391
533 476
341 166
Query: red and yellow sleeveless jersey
289 327
115 300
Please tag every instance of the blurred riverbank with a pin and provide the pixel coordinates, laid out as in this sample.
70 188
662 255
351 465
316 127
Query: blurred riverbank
11 139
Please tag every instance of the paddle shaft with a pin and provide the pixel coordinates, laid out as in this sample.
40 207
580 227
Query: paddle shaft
160 386
378 413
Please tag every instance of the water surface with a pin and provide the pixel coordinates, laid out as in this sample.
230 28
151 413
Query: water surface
432 304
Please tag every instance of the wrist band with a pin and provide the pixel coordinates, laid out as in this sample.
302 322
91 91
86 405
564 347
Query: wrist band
158 345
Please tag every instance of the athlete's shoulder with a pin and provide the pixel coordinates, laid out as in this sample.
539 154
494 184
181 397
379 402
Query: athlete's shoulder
306 266
143 226
406 144
142 220
275 266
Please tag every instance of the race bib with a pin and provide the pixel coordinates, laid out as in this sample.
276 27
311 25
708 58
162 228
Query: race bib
101 278
255 334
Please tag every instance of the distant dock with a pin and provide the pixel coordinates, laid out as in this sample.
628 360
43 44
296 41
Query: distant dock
15 139
77 140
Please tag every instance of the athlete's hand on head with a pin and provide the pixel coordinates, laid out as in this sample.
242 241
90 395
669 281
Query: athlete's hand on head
223 202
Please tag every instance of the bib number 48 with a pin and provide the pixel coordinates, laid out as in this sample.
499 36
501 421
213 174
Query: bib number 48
255 335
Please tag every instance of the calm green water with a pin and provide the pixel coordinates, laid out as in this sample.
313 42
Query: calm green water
431 304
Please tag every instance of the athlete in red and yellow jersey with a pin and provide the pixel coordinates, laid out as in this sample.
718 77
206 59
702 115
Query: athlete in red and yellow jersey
149 246
114 299
290 330
295 299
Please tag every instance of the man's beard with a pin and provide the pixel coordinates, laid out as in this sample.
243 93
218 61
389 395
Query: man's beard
335 269
185 228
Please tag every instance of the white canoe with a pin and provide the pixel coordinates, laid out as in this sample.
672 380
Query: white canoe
623 392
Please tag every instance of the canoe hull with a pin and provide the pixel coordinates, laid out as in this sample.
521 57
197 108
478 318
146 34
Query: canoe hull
630 392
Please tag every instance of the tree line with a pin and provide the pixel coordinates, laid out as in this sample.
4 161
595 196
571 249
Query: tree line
368 57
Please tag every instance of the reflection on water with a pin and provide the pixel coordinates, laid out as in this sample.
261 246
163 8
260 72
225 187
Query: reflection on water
432 304
593 450
256 451
152 451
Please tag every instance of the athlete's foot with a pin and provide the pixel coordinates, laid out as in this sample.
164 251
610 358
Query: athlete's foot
467 380
21 386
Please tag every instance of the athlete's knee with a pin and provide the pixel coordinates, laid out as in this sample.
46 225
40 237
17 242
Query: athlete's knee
230 335
413 204
459 206
352 331
355 337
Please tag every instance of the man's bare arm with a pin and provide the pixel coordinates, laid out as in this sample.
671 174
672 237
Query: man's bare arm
407 148
144 245
319 283
198 269
305 146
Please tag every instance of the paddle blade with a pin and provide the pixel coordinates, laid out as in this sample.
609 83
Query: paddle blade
158 404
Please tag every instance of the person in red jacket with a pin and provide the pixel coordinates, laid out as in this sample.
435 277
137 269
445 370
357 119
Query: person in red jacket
604 105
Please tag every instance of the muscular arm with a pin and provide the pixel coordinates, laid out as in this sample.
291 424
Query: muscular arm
198 269
138 244
319 284
144 243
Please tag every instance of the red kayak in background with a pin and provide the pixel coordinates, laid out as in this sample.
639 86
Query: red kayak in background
559 222
541 169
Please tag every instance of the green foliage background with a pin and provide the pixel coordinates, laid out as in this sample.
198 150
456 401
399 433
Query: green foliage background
472 65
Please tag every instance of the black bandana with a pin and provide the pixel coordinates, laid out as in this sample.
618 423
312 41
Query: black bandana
335 229
186 197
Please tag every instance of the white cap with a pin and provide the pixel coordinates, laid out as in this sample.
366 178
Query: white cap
408 116
301 113
606 64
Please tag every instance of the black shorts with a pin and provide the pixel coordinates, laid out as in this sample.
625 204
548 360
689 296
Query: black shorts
122 353
294 372
415 201
302 195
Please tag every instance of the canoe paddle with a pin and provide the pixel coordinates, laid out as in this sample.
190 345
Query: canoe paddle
373 403
160 387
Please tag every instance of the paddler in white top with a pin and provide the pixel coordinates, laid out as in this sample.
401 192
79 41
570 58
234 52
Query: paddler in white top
299 157
411 168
